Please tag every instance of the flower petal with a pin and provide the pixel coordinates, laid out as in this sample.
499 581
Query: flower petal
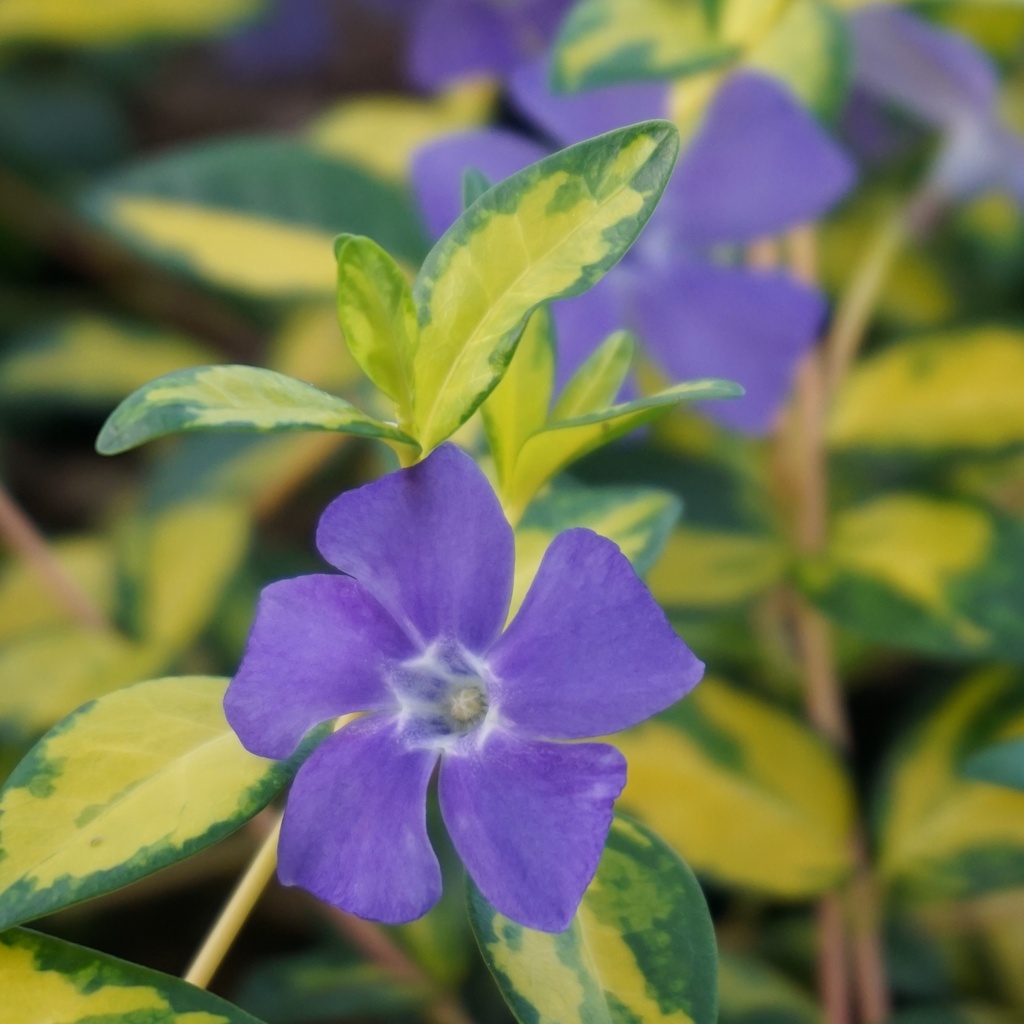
938 76
582 323
437 169
355 826
318 649
431 544
529 820
748 326
759 164
590 652
451 38
573 118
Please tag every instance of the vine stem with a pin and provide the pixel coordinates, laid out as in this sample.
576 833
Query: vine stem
236 911
25 540
825 705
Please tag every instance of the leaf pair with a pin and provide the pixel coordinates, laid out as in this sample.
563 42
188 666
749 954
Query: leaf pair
532 440
438 349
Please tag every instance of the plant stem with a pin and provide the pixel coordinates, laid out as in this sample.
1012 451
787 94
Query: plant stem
853 314
824 697
20 534
237 909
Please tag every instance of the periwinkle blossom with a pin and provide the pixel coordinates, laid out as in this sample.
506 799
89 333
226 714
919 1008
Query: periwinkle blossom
759 165
947 83
295 36
413 635
450 39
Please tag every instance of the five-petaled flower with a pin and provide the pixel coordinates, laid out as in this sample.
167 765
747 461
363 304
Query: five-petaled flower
413 635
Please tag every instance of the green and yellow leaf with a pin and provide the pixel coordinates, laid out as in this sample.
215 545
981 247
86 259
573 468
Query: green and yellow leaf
233 398
380 134
257 216
1001 764
89 360
518 407
924 573
745 793
637 519
604 42
174 565
641 947
121 788
562 442
933 394
551 231
749 991
47 981
708 568
87 23
942 835
378 316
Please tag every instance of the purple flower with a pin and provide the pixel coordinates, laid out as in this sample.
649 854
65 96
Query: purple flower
759 165
452 38
413 635
945 82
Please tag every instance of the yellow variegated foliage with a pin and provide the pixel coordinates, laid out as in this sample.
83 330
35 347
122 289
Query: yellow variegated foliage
915 546
703 568
90 358
944 835
518 407
936 393
641 946
49 672
28 604
636 522
381 133
183 559
546 233
801 42
744 792
124 786
378 317
253 254
88 23
749 988
47 981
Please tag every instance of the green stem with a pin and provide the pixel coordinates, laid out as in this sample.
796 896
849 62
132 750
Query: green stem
236 911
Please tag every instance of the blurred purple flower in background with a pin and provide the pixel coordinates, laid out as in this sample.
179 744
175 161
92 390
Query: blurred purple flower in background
759 165
941 79
453 38
414 635
295 36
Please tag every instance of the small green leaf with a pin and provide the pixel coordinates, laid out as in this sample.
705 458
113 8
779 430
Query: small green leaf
518 406
45 981
474 184
1001 764
551 231
596 384
747 794
233 398
126 785
750 991
943 835
564 441
378 316
641 947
